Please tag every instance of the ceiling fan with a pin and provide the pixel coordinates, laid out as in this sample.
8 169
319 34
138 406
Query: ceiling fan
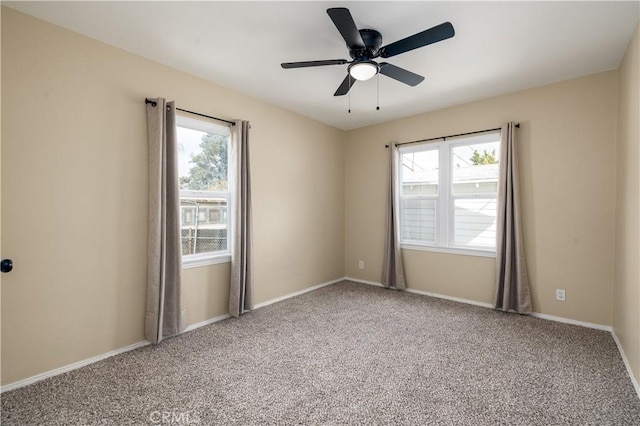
364 47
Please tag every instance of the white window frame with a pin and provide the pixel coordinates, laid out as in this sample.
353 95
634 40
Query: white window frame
445 199
223 256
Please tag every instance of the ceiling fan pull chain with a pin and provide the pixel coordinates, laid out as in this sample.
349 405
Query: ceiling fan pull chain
349 93
378 92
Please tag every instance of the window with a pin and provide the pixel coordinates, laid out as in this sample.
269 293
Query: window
448 194
203 149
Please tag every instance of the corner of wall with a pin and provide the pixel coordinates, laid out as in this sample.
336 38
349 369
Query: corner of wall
626 282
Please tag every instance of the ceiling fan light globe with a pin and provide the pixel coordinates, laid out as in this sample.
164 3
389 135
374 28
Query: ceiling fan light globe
363 70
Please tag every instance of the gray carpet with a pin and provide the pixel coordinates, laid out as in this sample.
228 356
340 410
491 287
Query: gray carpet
349 354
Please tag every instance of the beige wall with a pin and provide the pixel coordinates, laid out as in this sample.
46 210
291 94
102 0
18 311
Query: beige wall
73 207
207 292
74 196
567 158
626 291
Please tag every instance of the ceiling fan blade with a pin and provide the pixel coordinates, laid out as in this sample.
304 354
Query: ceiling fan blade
343 21
424 38
345 86
288 65
400 74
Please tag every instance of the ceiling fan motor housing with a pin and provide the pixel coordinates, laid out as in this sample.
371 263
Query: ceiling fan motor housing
372 41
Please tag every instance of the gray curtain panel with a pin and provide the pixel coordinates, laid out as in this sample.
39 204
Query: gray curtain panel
241 289
513 292
164 313
392 271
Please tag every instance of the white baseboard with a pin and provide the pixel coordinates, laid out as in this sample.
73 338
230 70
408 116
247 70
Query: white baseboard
626 363
534 314
297 293
426 293
80 364
488 305
70 367
206 322
357 280
454 299
572 321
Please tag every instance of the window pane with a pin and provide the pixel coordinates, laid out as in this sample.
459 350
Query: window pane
420 172
475 168
475 222
209 232
418 220
202 160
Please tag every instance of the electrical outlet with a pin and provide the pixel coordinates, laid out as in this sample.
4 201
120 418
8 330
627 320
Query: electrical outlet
560 295
360 264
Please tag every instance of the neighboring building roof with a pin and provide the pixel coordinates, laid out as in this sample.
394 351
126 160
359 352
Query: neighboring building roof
482 173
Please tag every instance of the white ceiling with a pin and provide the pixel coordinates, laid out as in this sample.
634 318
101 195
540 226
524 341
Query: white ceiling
499 47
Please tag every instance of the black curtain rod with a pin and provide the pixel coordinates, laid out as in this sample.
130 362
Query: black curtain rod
451 136
154 103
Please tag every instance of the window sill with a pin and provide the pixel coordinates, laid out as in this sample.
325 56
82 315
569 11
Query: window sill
205 261
449 250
